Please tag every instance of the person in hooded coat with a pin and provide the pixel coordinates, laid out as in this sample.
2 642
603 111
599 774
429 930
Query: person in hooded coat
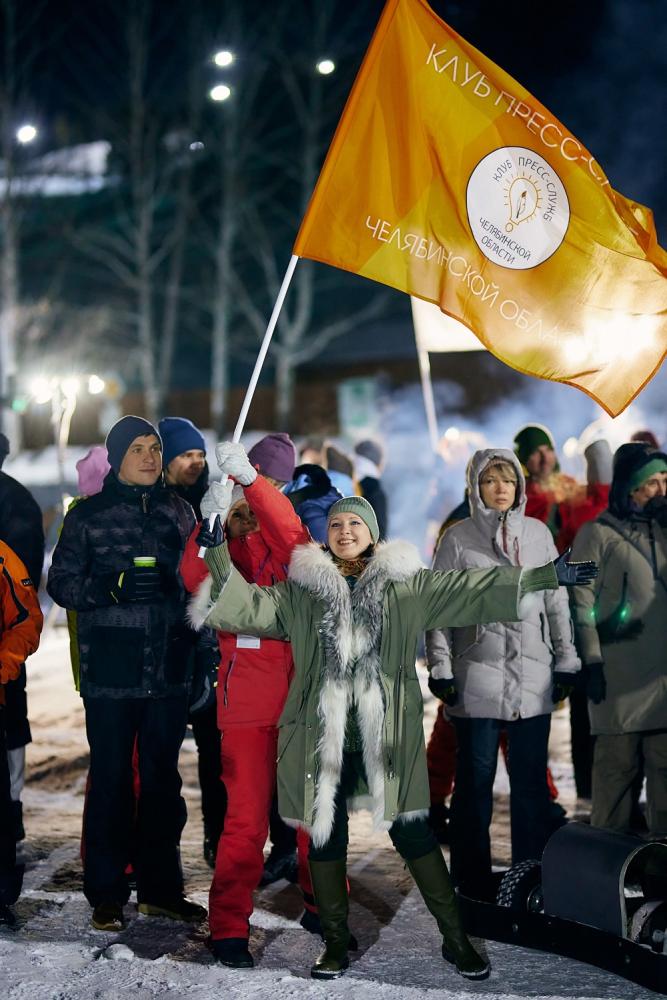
352 725
500 675
620 627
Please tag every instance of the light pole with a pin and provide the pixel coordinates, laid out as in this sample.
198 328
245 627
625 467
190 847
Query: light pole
63 391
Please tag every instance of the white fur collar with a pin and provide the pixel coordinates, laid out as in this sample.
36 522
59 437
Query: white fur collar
313 568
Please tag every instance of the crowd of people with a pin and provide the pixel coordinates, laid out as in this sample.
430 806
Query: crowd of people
264 607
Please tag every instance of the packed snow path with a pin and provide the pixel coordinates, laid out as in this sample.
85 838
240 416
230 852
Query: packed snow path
54 954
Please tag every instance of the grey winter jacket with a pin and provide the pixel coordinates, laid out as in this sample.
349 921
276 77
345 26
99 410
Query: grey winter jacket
503 670
620 621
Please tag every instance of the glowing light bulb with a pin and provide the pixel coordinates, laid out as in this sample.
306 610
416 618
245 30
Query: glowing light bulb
523 199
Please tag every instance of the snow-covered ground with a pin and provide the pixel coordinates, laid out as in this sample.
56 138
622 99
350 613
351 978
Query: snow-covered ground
54 954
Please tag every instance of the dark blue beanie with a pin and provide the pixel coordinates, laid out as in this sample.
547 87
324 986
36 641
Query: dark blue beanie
178 435
121 436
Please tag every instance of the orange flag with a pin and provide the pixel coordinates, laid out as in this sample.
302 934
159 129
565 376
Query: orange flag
446 179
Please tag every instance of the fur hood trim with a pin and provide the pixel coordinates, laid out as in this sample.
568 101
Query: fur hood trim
393 560
200 605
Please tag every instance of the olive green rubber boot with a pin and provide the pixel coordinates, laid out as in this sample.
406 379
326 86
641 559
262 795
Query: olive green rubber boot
432 878
330 891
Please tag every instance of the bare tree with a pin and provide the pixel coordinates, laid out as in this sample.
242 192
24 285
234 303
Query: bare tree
143 255
313 101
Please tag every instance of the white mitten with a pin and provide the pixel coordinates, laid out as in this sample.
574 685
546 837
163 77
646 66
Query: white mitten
233 461
217 500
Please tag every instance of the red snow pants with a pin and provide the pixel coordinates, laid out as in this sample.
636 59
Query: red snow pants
249 772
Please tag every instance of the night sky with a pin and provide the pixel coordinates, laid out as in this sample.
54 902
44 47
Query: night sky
599 65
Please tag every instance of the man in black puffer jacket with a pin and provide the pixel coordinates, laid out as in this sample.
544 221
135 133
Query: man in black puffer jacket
116 565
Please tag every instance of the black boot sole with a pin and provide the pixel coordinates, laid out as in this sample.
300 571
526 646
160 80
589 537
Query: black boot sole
474 976
317 974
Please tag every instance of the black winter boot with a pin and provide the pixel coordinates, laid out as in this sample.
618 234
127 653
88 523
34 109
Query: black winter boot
432 878
330 889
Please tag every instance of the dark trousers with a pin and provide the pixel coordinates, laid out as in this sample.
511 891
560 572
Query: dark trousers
11 877
472 802
282 836
582 744
117 828
412 839
213 794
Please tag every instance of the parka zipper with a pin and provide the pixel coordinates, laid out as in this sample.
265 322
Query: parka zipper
225 699
145 497
397 720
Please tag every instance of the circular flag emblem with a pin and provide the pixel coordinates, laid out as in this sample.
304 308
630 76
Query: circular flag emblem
517 207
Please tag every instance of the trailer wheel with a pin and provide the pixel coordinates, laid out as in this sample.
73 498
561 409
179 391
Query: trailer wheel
521 888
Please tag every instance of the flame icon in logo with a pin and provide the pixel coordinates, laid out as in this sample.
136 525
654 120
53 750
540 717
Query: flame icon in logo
523 198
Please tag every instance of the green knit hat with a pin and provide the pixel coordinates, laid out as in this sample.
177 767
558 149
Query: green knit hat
529 439
360 507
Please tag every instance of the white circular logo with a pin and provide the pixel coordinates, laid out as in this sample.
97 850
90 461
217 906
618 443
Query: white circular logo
517 208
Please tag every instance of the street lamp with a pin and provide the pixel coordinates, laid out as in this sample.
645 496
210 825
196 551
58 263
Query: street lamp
223 58
325 66
26 133
62 391
220 92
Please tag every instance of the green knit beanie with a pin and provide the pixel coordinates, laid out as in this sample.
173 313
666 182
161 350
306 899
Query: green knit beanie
529 439
360 507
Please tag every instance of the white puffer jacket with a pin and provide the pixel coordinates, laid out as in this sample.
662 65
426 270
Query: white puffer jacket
503 671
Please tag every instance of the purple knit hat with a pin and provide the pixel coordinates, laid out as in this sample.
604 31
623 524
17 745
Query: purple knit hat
275 456
91 470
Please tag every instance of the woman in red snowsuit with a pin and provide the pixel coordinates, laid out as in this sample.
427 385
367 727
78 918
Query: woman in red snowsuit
254 675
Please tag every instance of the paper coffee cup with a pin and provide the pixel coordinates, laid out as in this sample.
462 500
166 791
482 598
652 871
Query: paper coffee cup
144 560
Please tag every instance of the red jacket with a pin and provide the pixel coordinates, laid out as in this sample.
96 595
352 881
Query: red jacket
565 508
20 617
254 674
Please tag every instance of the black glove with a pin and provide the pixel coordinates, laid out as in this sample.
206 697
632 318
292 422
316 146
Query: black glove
563 684
137 584
210 538
574 574
444 688
596 685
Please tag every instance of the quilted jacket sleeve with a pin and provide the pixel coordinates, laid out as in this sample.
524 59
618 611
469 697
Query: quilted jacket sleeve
21 615
70 583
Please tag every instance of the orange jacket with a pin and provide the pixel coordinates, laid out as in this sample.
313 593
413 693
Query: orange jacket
21 617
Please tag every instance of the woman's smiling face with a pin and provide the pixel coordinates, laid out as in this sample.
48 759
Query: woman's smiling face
348 535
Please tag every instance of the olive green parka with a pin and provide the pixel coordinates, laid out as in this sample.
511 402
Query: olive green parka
360 646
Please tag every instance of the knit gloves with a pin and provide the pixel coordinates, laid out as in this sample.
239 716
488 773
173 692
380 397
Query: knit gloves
233 462
137 585
217 500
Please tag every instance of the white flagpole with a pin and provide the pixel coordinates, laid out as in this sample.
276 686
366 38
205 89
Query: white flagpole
427 393
252 385
254 378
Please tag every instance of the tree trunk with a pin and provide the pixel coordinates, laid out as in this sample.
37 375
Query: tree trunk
284 388
9 279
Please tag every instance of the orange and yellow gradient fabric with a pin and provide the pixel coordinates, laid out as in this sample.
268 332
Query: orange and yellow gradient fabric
446 179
